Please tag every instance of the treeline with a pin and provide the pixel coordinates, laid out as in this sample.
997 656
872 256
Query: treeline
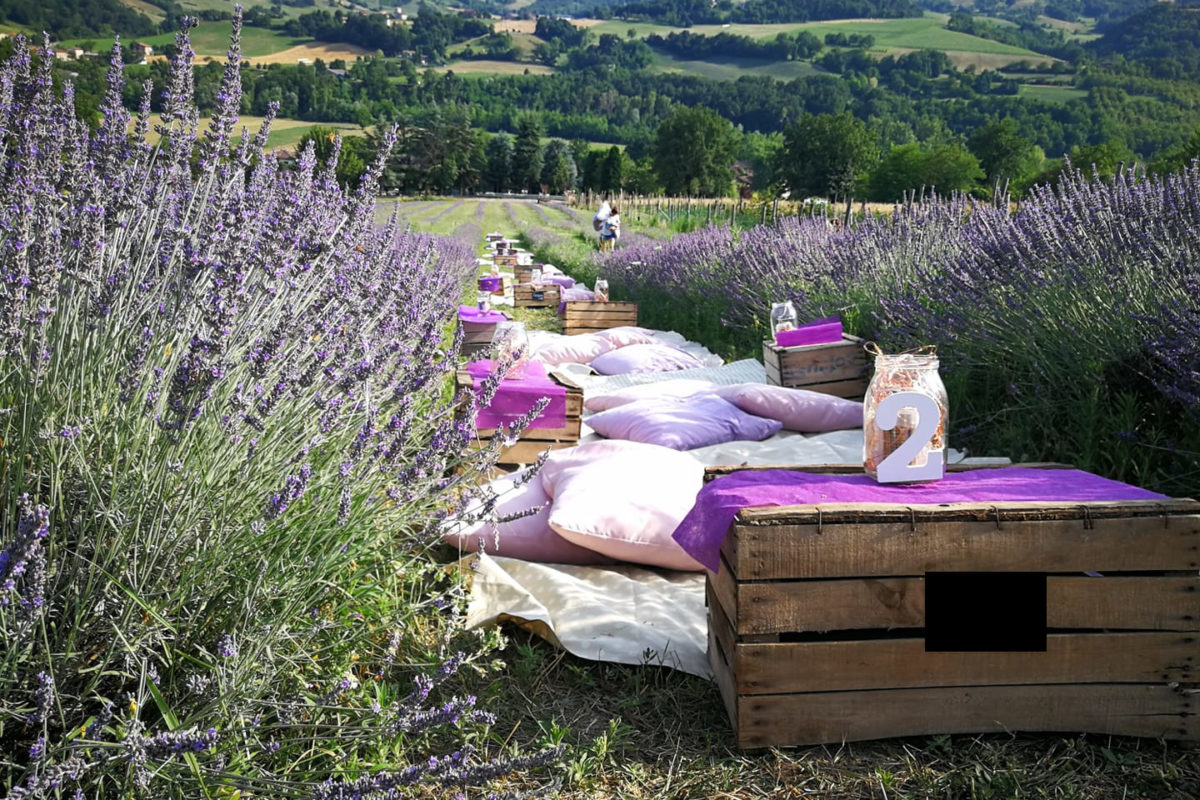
685 13
67 19
1163 41
1026 34
784 47
430 33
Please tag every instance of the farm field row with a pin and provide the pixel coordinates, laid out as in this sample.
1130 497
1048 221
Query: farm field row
284 132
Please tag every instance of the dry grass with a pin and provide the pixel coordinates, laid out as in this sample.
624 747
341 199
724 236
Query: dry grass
325 51
518 25
485 67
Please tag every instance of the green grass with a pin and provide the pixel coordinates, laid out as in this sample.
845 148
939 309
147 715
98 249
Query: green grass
1052 94
730 69
142 7
209 39
914 33
284 132
485 68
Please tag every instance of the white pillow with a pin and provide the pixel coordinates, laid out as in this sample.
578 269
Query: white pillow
680 387
623 500
578 349
625 335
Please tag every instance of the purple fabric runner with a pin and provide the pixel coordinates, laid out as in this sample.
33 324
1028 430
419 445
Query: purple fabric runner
704 528
473 314
819 331
489 283
559 280
516 397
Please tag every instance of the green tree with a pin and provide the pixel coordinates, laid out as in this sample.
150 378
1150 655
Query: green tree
826 155
499 162
526 168
1005 155
558 168
612 170
694 151
353 159
946 168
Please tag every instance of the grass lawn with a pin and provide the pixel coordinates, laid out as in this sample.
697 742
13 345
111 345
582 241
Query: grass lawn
1052 94
284 132
730 69
444 216
210 39
915 33
142 7
484 68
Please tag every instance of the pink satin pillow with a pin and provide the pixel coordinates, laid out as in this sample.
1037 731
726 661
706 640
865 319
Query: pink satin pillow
682 423
798 409
680 387
638 358
530 538
625 335
579 349
623 500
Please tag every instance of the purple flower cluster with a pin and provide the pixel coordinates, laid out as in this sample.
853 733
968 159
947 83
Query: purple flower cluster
23 571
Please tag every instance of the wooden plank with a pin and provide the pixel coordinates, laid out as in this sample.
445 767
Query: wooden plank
853 389
833 717
998 513
594 319
904 664
720 626
895 548
1164 603
526 451
570 430
824 370
585 306
723 677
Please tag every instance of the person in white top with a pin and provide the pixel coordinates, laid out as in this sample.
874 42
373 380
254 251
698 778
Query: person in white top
610 230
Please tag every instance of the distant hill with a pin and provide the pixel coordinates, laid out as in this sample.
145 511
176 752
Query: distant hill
64 19
1104 12
699 12
1164 38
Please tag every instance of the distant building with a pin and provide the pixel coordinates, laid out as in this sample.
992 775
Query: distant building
337 72
304 62
142 51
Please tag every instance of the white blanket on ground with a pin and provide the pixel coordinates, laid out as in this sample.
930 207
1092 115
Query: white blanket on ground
628 614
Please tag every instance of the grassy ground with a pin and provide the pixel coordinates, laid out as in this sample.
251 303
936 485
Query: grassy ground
651 732
484 67
730 69
1052 94
210 39
284 132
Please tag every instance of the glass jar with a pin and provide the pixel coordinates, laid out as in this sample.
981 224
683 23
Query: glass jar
915 373
783 317
484 302
601 292
535 276
511 344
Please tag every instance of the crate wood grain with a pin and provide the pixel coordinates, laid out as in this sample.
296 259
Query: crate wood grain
586 317
505 260
477 338
532 442
817 614
544 296
837 368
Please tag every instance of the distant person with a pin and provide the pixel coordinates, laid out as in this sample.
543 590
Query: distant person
599 218
610 231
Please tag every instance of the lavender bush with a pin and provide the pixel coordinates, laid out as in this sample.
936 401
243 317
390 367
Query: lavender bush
226 441
1068 329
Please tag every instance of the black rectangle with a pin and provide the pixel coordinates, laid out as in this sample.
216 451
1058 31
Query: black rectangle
536 295
985 612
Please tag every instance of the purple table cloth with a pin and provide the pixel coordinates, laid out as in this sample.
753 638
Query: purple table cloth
490 283
564 281
819 331
517 396
473 314
703 529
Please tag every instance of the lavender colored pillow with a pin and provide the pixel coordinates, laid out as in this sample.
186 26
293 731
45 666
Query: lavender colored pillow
530 538
679 387
798 409
578 349
637 358
626 335
683 423
578 293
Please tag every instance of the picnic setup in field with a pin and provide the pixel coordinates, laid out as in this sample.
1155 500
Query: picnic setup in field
786 528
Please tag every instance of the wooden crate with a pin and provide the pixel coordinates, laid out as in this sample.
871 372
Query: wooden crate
838 368
544 296
816 621
583 317
503 260
533 441
477 338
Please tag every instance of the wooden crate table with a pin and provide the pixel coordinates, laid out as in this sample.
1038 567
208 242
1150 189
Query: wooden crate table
817 614
837 368
505 260
534 440
526 295
478 329
581 316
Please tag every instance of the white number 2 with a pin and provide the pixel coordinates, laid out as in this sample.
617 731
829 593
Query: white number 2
898 467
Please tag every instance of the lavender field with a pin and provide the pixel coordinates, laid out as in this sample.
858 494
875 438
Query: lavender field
227 444
1069 330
